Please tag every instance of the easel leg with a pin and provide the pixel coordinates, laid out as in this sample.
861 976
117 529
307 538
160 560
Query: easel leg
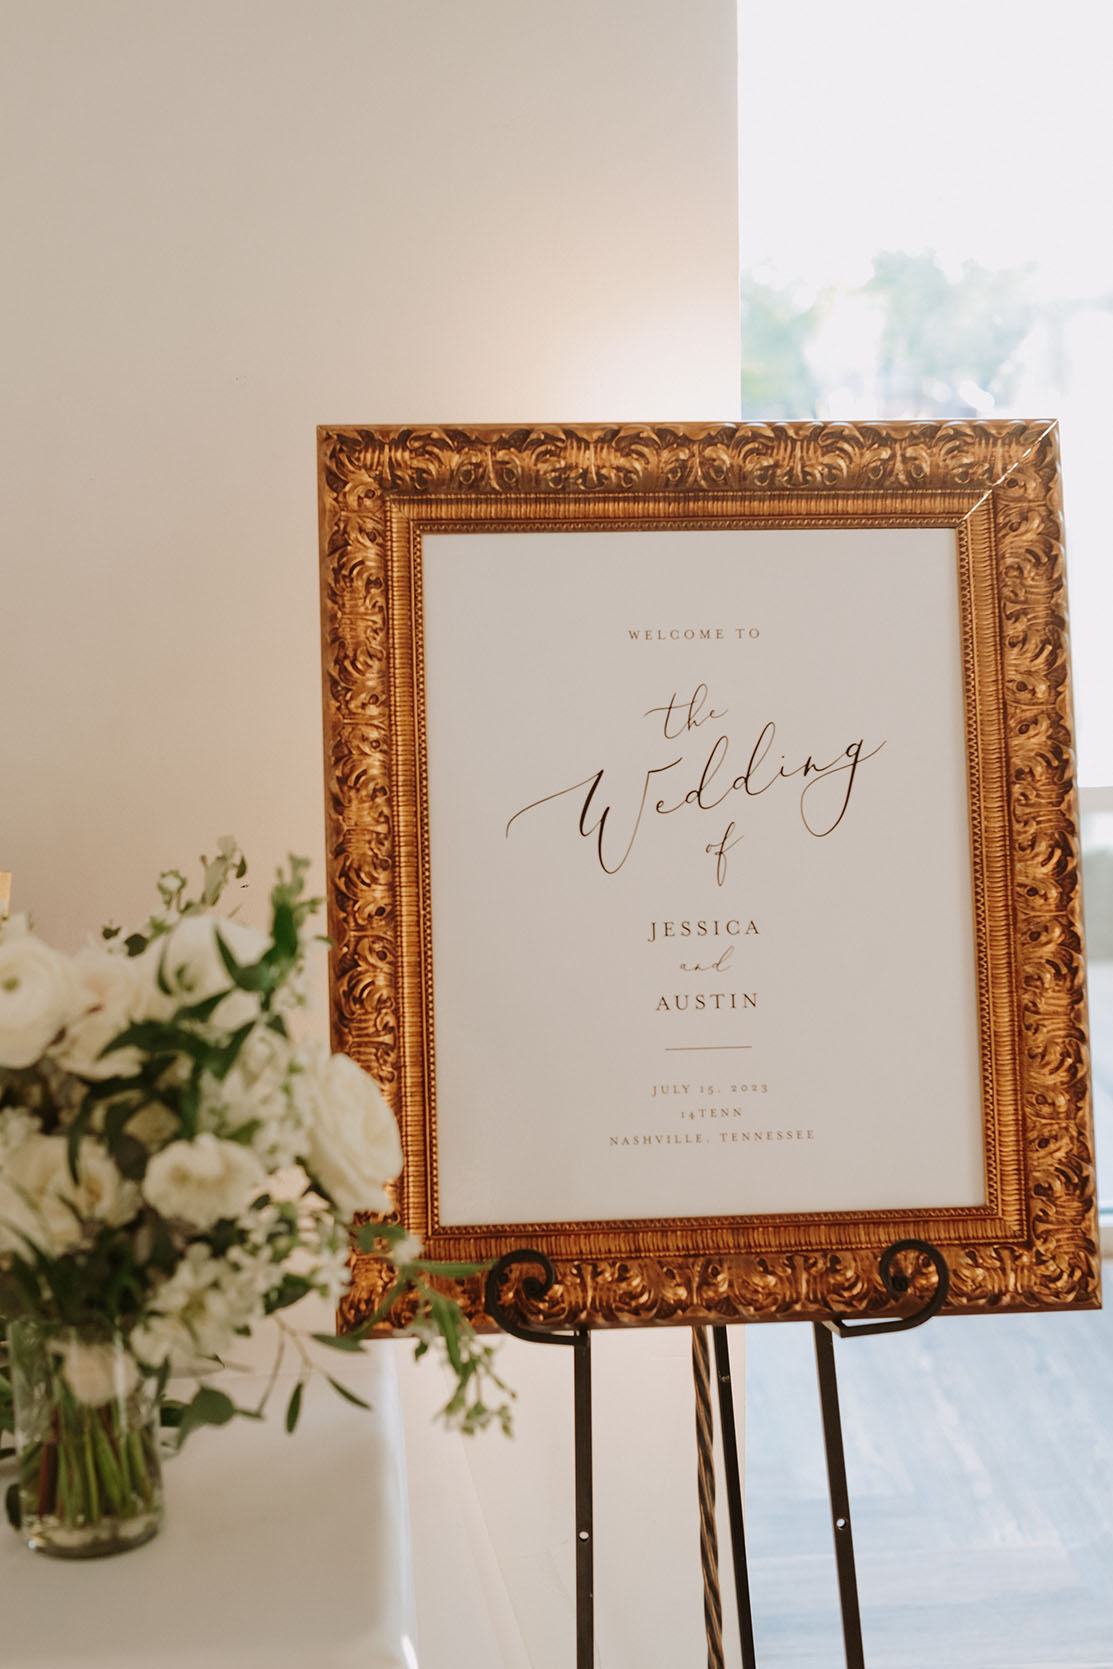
734 1497
585 1531
840 1499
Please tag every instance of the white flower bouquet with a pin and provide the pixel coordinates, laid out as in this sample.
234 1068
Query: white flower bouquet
175 1167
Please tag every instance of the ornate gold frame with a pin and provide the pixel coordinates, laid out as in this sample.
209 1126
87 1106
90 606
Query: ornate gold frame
1034 1245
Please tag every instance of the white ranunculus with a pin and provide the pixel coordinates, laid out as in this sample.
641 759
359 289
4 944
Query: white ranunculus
16 1124
41 1203
204 1180
191 964
101 1191
354 1147
30 1211
98 1373
115 990
39 994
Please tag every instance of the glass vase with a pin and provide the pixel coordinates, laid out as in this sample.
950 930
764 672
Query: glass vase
86 1432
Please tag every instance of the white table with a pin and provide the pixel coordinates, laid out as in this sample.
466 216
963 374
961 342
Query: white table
277 1552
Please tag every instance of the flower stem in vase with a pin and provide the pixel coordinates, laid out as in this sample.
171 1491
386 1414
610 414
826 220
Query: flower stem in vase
90 1481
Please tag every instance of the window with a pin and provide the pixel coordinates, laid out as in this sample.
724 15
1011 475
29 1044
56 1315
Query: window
923 236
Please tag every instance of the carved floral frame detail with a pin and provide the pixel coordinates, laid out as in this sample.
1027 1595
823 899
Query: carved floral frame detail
1034 1245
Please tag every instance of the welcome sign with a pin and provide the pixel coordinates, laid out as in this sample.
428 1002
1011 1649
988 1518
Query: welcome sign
683 785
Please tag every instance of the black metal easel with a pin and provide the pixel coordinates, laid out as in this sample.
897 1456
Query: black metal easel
535 1287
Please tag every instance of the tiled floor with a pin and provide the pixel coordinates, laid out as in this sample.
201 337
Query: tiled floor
980 1466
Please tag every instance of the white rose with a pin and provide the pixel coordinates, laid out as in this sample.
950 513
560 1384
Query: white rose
115 990
40 1202
39 994
204 1180
354 1145
97 1373
191 965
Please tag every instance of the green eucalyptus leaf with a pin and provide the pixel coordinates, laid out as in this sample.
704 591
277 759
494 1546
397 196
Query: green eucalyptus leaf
131 1157
222 1060
293 1407
202 1011
246 1133
189 1104
76 1131
343 1391
115 1118
284 931
339 1341
255 976
107 1089
208 1407
212 1406
448 1321
161 1037
367 1234
161 979
292 1288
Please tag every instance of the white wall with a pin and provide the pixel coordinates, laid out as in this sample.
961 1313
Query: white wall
227 221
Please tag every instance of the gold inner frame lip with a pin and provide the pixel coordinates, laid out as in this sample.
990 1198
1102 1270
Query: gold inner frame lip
1016 1224
410 519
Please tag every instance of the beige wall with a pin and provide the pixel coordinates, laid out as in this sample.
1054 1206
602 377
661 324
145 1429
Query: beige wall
230 220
